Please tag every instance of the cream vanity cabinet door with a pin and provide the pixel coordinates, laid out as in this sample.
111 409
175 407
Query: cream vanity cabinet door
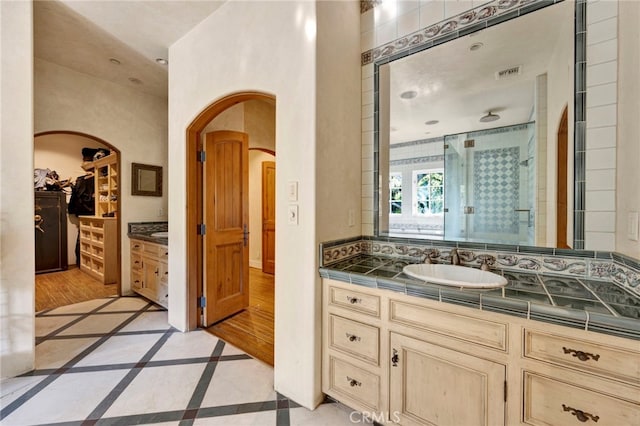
433 385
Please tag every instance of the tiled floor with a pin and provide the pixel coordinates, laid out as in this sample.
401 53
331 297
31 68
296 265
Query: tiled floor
116 361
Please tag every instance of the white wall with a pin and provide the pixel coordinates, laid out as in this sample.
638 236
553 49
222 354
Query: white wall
628 158
268 47
132 121
17 263
252 42
63 153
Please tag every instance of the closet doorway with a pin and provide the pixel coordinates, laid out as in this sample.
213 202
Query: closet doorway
250 327
82 160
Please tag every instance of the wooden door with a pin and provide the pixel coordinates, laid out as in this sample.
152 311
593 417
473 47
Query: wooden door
268 217
226 213
433 385
561 201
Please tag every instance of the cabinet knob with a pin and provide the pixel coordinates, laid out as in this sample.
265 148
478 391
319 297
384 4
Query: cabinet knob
580 415
352 337
395 358
353 300
353 382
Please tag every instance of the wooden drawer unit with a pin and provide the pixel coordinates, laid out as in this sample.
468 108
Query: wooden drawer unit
471 329
590 357
548 401
355 301
354 383
99 248
357 339
149 271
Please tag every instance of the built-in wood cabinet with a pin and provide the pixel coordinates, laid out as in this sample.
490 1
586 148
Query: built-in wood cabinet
149 271
413 361
106 177
99 248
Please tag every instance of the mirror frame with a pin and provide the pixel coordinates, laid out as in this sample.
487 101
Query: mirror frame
385 56
136 190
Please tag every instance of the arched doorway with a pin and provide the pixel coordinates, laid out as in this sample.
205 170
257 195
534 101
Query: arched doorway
64 152
200 226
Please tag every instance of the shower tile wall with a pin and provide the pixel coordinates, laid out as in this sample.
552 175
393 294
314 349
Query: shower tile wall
397 18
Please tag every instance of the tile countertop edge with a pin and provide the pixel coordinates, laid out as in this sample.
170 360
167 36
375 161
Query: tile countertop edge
149 238
574 318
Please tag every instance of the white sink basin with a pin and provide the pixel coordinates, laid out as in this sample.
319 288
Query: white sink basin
458 276
162 234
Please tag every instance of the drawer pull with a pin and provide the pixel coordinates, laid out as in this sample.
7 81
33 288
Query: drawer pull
395 358
353 300
582 356
353 382
353 337
581 415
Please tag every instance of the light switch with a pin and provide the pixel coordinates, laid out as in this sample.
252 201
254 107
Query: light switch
632 226
292 214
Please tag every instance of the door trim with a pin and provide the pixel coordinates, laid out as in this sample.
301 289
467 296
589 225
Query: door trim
194 195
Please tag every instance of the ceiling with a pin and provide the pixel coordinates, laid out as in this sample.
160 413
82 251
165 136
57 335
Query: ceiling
457 86
84 35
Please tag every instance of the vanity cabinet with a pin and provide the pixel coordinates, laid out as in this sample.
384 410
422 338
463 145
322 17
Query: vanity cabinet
415 361
433 385
149 271
99 248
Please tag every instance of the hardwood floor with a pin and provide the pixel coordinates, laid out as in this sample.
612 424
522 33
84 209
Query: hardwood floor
63 288
252 329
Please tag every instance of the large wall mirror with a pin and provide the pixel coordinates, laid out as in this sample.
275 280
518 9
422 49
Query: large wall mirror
475 135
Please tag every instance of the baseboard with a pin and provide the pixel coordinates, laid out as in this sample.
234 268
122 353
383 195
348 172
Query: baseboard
255 264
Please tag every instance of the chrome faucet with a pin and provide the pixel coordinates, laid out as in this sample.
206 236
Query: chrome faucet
455 257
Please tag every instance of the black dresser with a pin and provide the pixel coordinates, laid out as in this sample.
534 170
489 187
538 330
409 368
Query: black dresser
50 222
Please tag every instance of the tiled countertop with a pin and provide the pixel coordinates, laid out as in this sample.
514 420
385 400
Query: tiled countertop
598 306
144 230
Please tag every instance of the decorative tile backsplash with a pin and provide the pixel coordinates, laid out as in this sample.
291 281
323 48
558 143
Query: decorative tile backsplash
601 266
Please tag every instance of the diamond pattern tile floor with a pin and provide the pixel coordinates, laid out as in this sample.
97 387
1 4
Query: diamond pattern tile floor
116 361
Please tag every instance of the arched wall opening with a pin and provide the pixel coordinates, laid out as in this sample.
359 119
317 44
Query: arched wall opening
194 193
61 150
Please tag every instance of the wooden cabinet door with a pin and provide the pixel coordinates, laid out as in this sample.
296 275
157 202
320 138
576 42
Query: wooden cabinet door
433 385
151 273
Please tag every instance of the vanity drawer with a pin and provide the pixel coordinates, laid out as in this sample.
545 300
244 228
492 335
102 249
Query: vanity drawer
136 279
136 246
354 383
475 330
590 357
357 339
355 301
551 402
136 262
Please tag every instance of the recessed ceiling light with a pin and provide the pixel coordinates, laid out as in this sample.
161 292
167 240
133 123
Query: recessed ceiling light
409 94
135 80
489 117
475 46
431 122
114 61
162 61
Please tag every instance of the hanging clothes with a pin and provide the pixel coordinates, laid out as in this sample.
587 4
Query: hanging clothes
82 200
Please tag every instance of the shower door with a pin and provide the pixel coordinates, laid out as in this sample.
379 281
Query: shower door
489 185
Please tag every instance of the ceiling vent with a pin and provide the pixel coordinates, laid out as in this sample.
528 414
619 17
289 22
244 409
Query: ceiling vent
509 72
